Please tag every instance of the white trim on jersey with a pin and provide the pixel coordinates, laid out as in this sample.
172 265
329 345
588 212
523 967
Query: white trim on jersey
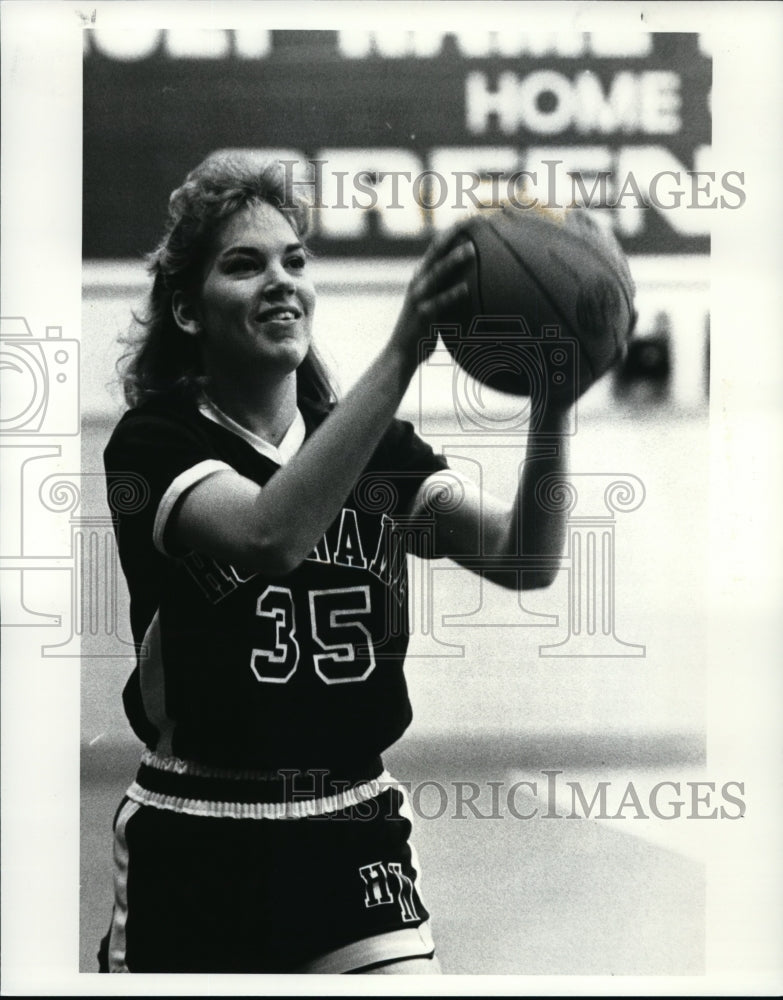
152 678
394 946
161 761
292 441
184 481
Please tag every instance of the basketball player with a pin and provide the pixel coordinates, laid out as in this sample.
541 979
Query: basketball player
265 560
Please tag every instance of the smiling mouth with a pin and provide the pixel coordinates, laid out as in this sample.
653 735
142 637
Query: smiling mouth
279 314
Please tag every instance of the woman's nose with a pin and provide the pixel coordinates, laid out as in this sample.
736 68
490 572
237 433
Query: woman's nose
277 278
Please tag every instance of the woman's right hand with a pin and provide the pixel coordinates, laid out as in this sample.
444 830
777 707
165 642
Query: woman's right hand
437 283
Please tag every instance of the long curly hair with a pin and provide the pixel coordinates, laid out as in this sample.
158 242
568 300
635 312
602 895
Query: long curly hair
161 358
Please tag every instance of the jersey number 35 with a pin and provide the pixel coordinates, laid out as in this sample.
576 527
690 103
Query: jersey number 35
337 625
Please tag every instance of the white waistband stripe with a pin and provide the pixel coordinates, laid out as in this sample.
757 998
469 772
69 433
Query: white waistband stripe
295 809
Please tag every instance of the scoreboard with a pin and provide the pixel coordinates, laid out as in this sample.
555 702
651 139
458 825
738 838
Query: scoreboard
393 135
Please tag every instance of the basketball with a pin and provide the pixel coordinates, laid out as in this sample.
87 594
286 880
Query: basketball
550 306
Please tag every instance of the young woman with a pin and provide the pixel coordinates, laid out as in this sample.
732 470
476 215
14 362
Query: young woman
266 564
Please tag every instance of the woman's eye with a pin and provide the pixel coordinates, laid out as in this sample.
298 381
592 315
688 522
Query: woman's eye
297 263
237 265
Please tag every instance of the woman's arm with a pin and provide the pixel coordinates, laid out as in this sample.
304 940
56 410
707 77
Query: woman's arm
516 545
276 526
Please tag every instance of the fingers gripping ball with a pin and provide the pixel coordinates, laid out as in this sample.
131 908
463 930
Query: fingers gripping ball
550 305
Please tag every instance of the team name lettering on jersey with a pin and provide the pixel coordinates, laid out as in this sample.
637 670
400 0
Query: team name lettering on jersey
349 542
344 546
388 562
216 580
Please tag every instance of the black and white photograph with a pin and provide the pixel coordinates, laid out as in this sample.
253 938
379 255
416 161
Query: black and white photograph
390 434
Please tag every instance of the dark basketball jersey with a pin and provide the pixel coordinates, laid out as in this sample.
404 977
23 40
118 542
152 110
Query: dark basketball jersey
245 671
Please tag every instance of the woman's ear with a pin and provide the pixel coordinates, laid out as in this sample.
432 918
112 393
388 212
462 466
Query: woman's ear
185 313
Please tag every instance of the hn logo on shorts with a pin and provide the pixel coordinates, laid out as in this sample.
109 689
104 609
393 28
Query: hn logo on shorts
387 883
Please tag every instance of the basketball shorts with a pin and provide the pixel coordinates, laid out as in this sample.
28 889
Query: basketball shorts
233 890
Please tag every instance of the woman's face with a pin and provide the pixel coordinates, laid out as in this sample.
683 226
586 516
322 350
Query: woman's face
256 304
